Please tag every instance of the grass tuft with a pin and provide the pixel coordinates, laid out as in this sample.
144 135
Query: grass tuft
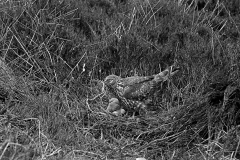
54 55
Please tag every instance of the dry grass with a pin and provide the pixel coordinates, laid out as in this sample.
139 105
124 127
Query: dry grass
54 55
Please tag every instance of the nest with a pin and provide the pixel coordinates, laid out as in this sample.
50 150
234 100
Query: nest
202 119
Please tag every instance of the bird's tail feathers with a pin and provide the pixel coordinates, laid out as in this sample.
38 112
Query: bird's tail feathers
166 74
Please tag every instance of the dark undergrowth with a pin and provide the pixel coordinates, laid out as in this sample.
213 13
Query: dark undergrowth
55 54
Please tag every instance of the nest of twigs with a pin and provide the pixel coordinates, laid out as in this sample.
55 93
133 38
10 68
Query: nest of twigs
198 121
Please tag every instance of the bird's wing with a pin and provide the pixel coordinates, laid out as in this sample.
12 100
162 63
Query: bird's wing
138 91
133 87
137 87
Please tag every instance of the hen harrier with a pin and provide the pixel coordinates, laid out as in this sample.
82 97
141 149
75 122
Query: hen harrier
132 91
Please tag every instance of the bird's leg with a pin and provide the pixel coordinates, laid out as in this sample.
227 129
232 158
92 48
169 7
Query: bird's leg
140 107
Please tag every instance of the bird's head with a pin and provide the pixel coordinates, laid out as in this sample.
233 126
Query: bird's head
111 80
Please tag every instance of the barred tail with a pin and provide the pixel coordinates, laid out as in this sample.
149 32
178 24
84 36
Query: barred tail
166 74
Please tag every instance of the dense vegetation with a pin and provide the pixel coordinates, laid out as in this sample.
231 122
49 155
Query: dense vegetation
54 54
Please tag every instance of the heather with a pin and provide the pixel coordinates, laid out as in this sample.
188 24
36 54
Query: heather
56 53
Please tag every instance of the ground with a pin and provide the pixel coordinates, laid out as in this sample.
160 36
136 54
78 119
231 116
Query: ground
55 56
